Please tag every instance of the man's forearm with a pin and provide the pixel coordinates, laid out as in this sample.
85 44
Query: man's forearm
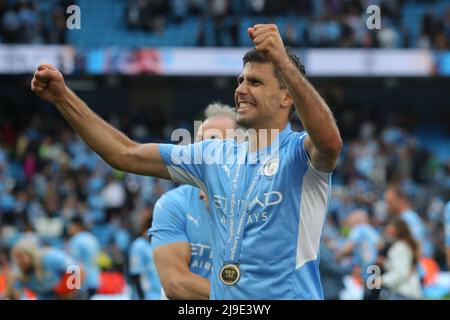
189 287
105 140
314 113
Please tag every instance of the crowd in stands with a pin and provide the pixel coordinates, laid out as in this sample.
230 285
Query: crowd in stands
49 177
305 23
33 22
384 179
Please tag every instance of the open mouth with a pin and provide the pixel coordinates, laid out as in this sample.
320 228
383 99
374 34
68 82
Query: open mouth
244 106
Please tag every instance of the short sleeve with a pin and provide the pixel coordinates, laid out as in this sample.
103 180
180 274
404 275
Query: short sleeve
185 163
305 158
58 261
169 220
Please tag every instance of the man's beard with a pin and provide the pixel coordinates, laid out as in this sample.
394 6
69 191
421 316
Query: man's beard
243 123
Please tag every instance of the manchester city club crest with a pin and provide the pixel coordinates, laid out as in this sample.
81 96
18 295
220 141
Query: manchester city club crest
271 167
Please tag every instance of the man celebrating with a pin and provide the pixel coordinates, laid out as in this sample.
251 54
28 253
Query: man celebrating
268 199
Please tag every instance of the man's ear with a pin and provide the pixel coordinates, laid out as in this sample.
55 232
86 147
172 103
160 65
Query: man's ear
287 101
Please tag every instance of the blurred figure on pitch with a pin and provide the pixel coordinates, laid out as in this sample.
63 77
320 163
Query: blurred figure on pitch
401 278
447 233
181 229
143 275
363 243
399 204
331 271
49 273
84 247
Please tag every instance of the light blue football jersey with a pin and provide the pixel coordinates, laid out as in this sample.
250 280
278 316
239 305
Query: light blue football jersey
365 240
447 224
415 225
284 200
142 263
418 230
181 216
84 247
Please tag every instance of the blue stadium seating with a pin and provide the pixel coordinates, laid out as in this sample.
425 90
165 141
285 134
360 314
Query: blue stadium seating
103 24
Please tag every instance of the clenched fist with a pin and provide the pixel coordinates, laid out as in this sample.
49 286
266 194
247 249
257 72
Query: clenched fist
48 83
267 40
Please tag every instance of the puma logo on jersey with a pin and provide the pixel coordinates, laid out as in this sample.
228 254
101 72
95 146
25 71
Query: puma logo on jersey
227 170
190 217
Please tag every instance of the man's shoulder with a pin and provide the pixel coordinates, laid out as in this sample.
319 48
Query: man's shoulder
293 140
296 136
174 201
179 193
291 146
51 256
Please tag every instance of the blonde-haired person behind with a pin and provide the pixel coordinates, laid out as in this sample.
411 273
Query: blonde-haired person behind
401 278
49 273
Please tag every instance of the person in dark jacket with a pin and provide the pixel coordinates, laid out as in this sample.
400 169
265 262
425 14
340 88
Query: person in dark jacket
331 273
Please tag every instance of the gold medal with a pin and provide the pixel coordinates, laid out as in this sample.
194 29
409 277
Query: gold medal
230 274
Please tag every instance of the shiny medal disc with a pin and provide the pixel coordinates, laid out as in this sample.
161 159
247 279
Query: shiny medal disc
230 274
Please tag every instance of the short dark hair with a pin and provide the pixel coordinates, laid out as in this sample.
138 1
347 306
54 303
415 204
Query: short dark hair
78 220
254 55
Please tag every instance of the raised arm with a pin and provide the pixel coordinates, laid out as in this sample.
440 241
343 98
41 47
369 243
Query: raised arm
323 142
172 262
113 146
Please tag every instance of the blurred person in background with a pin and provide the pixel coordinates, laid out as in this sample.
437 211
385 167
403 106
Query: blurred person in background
181 227
363 243
399 204
49 273
143 274
84 247
401 279
332 273
4 271
447 233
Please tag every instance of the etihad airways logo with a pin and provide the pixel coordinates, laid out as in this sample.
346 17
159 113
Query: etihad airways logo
267 199
261 202
252 218
201 256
